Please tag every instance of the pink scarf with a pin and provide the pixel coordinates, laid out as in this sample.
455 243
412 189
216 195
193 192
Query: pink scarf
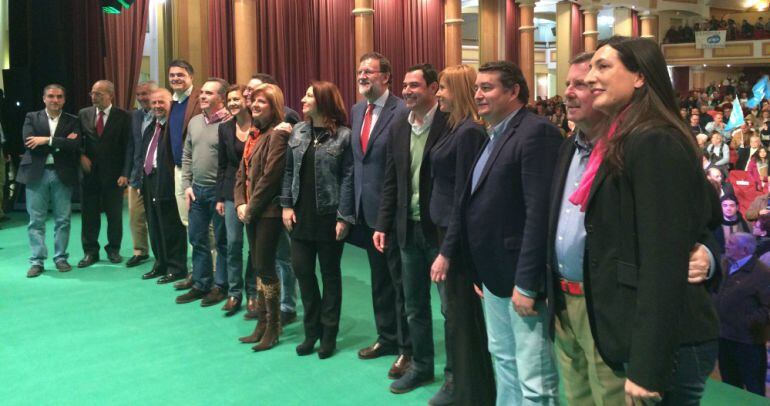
580 196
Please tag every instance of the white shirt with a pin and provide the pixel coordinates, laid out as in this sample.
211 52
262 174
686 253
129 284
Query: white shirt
181 98
378 105
426 121
155 156
53 122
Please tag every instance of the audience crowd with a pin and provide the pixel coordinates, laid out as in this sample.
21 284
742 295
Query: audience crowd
507 207
746 31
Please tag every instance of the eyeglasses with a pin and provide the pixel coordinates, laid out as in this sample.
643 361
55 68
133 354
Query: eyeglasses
367 72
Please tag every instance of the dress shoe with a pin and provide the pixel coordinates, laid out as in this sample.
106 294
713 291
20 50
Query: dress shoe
88 260
170 277
191 296
410 381
136 260
156 272
446 395
376 350
232 306
251 309
63 266
288 318
215 296
400 366
34 271
114 257
187 283
306 347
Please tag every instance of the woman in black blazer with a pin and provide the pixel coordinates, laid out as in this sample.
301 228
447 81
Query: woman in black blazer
641 224
232 139
452 159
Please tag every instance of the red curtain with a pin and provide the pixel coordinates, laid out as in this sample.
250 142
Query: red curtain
300 40
409 32
577 29
87 60
124 45
221 42
635 24
512 33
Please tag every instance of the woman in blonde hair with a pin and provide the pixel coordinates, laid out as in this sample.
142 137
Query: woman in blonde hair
257 189
452 160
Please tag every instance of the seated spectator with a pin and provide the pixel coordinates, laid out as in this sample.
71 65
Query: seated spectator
757 208
758 168
716 175
742 302
761 230
764 133
695 127
702 139
717 125
705 117
745 153
732 221
718 152
683 112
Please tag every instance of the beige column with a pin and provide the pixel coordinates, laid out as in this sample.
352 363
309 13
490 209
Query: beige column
698 78
245 33
489 30
190 36
363 20
453 33
527 42
622 24
591 33
563 40
649 26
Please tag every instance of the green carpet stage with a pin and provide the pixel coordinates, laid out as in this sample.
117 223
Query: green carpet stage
104 336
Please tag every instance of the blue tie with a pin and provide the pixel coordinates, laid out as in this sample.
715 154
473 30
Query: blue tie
481 163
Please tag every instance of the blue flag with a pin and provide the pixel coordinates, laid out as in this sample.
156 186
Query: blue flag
736 116
761 90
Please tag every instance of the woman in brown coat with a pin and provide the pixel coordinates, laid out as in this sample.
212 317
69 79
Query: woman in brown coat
257 187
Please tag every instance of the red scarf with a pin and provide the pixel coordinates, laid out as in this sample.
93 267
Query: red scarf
248 150
580 196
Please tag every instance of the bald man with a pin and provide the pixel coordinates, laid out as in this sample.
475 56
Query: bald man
105 130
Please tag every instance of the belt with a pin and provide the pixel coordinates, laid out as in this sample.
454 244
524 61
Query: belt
571 287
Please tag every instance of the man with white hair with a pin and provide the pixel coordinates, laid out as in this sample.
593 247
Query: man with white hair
105 131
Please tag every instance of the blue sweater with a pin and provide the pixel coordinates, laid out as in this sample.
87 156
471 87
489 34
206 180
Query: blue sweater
176 126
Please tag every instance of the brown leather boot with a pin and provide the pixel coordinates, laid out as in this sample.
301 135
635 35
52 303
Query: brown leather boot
272 293
259 329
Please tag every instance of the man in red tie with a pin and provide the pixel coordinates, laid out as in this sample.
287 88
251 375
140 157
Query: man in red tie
371 122
105 131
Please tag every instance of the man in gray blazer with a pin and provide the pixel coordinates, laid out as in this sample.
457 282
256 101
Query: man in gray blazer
371 119
49 169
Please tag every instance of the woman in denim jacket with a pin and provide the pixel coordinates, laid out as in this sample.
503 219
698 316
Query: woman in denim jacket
317 201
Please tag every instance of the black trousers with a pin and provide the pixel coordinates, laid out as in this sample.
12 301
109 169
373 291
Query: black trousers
322 311
263 234
97 198
168 236
387 290
743 365
471 362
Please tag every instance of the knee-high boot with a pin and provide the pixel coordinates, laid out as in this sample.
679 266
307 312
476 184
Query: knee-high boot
261 312
272 293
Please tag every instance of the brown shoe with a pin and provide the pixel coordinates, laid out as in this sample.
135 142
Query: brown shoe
191 296
251 309
400 366
376 350
34 271
232 306
215 296
187 283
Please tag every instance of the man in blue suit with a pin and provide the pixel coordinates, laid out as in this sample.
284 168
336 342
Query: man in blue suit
140 120
49 169
371 120
504 220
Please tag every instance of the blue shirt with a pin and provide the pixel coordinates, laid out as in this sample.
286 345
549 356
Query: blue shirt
175 127
493 132
570 230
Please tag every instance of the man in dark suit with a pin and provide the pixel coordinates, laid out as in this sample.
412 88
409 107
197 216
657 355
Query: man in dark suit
371 119
167 233
184 106
140 120
745 153
503 216
405 209
49 169
106 131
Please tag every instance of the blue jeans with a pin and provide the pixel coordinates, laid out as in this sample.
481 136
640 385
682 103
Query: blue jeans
286 274
234 251
202 211
692 366
49 191
525 368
